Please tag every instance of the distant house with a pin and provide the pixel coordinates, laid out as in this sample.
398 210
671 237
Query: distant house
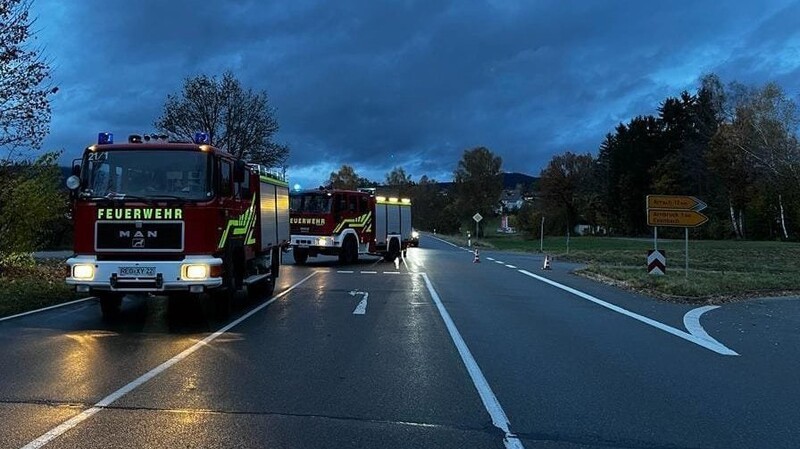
511 200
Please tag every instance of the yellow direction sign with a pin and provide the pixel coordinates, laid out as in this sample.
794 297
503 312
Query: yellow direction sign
675 218
674 202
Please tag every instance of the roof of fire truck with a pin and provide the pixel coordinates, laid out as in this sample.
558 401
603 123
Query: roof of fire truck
137 142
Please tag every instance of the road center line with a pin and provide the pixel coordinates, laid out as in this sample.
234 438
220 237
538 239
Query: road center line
369 272
445 241
489 258
709 343
110 399
345 271
499 262
511 266
30 312
490 402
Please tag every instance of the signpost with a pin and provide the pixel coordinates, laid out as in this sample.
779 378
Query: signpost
676 211
477 217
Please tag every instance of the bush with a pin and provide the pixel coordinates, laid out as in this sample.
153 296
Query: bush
31 203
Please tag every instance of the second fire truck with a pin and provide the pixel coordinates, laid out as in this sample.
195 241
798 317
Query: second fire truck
348 223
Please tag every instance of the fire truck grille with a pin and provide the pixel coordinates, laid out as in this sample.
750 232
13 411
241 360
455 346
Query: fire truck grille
139 236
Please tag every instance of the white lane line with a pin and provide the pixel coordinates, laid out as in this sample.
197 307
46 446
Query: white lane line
361 308
445 241
692 322
391 272
345 271
110 399
490 402
406 264
489 258
376 262
30 312
711 345
499 262
511 266
369 272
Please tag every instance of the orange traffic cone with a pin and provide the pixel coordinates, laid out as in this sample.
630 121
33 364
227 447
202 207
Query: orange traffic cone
477 258
546 265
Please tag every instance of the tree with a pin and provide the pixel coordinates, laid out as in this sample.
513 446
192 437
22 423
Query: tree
347 178
432 209
238 120
478 182
24 95
398 181
566 189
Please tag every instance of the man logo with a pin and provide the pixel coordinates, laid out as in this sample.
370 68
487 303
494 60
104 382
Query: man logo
137 243
138 234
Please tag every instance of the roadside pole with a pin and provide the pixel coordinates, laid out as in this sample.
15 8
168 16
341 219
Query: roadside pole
655 238
686 270
541 236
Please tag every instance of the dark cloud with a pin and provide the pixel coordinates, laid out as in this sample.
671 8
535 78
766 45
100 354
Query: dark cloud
410 83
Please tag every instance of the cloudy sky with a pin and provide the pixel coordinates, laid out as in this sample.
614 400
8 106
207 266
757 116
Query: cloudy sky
408 83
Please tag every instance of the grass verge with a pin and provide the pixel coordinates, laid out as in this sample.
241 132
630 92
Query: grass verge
719 270
32 287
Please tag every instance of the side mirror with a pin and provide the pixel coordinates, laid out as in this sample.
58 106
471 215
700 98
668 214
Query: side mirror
73 182
239 171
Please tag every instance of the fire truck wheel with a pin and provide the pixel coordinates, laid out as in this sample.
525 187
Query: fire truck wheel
110 304
394 251
300 255
349 253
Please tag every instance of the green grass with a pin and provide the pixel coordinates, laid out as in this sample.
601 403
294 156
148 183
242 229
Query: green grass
718 269
28 288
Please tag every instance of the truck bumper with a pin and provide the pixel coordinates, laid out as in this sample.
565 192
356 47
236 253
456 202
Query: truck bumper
89 274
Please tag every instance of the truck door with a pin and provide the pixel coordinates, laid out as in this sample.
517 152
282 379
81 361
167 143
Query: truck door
367 218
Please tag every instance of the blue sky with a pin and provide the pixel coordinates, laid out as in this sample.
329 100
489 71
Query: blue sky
409 83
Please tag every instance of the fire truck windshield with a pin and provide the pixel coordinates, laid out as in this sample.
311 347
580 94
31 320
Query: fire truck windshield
150 174
317 203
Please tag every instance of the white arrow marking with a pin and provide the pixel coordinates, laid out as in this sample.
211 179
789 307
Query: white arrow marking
361 308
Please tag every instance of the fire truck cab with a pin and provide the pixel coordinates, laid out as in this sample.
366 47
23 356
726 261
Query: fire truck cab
348 223
174 219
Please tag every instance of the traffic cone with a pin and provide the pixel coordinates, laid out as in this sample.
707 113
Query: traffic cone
546 265
477 258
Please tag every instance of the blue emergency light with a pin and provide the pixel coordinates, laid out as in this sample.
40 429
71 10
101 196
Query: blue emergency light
201 138
105 138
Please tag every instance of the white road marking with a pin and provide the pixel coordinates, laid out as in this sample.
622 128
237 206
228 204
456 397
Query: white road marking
445 241
511 266
376 262
490 402
406 264
361 308
369 272
499 262
489 258
45 308
391 272
711 344
110 399
692 322
345 271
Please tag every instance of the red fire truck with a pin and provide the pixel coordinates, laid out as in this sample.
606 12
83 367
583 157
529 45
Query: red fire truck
174 219
348 223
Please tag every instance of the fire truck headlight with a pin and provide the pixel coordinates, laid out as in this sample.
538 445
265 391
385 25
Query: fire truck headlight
323 241
415 234
83 271
195 272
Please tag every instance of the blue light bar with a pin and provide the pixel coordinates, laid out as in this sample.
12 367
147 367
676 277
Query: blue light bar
201 138
105 138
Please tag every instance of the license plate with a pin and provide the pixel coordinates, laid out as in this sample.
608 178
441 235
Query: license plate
302 246
149 272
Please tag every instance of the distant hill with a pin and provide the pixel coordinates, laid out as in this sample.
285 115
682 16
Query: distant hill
510 181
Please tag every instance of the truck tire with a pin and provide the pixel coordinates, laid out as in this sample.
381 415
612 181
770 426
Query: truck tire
393 252
349 252
110 304
300 256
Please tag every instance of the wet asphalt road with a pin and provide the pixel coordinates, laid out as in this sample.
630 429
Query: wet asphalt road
305 371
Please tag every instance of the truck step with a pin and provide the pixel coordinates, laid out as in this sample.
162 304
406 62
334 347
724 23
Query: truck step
255 278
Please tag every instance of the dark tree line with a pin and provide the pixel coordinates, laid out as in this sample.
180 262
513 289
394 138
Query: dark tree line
735 147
